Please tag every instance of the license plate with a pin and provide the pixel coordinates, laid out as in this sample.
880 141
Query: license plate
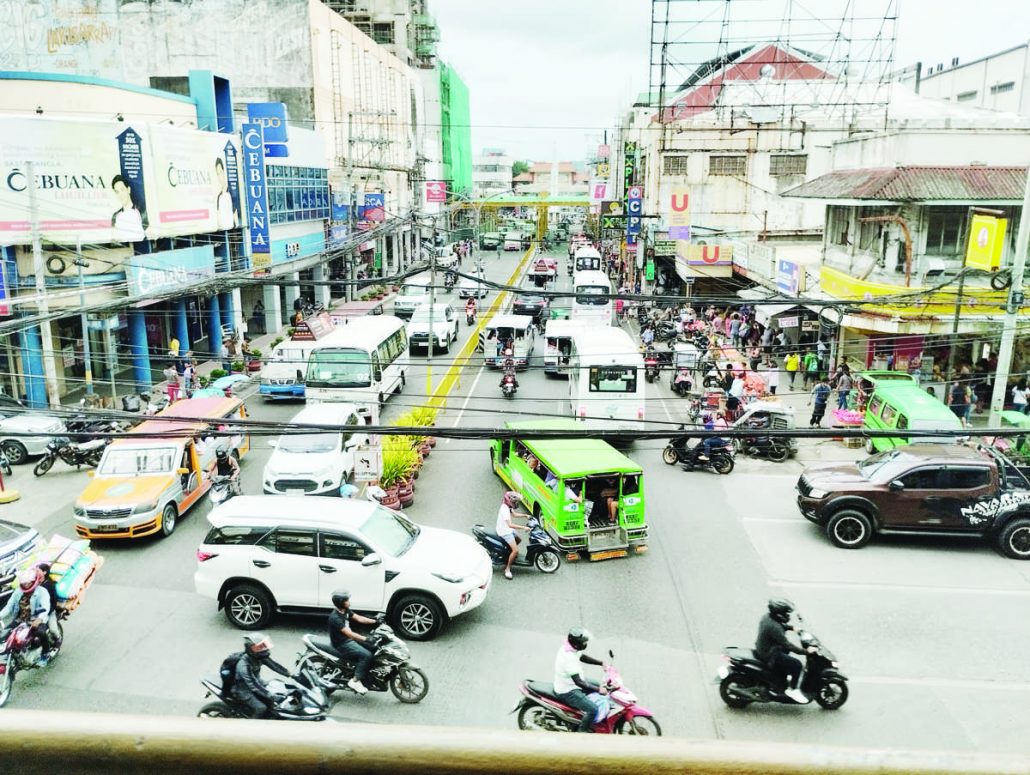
295 491
107 528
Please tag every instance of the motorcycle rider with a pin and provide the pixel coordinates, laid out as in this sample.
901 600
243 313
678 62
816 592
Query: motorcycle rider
508 370
226 465
773 648
569 686
505 528
347 643
248 689
31 603
470 310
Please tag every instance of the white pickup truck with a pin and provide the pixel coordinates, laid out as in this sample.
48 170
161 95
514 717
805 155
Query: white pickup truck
445 327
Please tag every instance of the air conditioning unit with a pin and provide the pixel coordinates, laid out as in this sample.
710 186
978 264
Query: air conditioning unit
933 267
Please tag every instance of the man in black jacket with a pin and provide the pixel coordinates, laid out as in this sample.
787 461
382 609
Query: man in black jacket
248 688
773 648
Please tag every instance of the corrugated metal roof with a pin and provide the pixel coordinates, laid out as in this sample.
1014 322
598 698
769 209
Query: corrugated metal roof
918 184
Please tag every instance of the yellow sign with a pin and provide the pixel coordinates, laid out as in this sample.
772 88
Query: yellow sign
986 240
603 169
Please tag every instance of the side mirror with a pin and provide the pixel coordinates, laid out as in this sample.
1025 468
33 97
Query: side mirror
300 375
896 486
273 443
611 654
182 471
371 559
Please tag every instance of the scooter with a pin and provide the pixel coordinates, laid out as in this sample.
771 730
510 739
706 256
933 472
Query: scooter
650 366
744 679
86 453
508 385
391 666
540 553
692 458
23 650
221 488
470 316
617 712
683 382
300 699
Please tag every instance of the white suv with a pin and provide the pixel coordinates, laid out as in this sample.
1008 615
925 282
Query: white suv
288 553
319 462
445 327
410 298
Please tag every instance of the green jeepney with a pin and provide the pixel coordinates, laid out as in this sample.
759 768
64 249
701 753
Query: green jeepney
571 484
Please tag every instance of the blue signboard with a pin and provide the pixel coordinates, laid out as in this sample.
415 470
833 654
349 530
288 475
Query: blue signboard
272 118
257 195
375 207
788 276
177 268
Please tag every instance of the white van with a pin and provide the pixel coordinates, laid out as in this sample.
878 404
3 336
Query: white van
518 328
588 259
319 462
592 301
606 380
558 344
513 240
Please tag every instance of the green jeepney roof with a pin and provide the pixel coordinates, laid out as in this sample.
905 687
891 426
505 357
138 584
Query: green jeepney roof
1009 417
574 457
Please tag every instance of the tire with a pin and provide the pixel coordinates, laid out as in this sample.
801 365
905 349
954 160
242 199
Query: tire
778 452
248 607
639 725
57 633
330 676
44 465
216 710
15 452
409 685
727 695
400 385
536 718
547 561
6 685
869 448
447 344
723 464
1014 540
669 456
832 694
169 518
418 617
94 458
849 529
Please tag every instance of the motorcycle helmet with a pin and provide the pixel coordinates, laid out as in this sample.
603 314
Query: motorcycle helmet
511 499
221 454
30 578
258 645
340 596
578 638
780 609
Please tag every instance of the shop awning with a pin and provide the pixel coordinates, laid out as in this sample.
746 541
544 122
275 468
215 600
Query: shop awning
765 312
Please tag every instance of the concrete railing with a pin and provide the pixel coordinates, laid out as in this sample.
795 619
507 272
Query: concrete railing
39 741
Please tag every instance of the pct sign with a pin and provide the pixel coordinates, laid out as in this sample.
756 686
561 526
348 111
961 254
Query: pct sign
634 209
375 207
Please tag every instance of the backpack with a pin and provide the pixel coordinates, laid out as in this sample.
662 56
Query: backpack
228 670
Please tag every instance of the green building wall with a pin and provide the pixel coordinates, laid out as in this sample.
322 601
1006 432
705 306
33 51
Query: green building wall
456 133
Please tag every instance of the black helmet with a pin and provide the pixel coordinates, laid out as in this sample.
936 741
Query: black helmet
340 596
222 454
780 609
258 645
578 638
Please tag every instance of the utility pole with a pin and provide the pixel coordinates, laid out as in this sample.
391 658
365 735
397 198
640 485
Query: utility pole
1008 331
86 356
46 334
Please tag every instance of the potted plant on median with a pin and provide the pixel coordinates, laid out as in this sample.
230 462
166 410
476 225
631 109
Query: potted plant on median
397 463
254 363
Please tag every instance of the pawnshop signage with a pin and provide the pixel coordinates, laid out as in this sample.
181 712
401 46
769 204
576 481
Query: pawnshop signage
257 196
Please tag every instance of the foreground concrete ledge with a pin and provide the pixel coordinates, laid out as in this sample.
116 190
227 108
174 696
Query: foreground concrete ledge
109 743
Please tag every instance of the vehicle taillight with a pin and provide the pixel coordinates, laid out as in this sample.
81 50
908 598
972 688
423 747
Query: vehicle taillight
582 412
203 556
640 413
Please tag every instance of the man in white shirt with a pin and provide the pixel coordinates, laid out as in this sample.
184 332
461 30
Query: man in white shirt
569 686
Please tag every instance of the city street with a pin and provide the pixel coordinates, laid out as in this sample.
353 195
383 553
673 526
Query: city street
917 625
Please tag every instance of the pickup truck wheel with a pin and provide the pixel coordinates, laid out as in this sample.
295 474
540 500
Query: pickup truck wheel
849 529
1014 540
168 519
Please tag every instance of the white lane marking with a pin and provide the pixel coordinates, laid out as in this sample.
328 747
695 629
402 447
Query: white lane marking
875 587
783 520
944 683
468 397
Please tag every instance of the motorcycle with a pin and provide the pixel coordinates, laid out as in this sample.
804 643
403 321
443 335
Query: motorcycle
650 366
540 553
665 331
391 666
508 386
83 428
691 458
22 650
744 679
78 454
618 712
221 488
683 382
776 450
300 699
449 280
470 316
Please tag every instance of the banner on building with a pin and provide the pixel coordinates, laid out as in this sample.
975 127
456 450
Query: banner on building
790 277
634 209
178 268
257 196
604 151
436 191
598 191
986 241
677 212
629 167
272 117
375 208
604 169
665 247
5 308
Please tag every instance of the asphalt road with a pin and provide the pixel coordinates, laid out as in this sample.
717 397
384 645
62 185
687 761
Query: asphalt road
924 628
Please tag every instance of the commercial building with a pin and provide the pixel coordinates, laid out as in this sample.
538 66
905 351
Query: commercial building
455 130
491 172
553 178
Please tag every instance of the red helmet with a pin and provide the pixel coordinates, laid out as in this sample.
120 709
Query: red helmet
511 499
30 578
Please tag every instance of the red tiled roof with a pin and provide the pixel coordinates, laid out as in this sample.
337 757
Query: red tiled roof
917 184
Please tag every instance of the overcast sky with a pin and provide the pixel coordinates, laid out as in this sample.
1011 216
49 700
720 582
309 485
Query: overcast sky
546 77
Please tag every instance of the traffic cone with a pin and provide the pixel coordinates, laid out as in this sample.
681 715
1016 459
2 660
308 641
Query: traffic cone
7 496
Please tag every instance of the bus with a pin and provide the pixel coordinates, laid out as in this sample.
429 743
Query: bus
906 406
606 380
363 363
592 302
587 259
588 496
151 476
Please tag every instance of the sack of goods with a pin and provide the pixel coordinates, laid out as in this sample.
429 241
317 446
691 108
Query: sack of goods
73 566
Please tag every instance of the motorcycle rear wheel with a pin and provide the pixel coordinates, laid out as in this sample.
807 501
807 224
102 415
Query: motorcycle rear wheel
669 456
409 684
44 465
216 710
723 464
535 718
328 675
639 725
727 695
778 452
6 684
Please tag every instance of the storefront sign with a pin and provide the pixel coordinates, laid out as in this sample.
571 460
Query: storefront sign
272 117
337 236
177 268
790 277
665 247
604 151
612 207
313 328
788 322
341 207
986 240
676 209
375 208
436 191
629 170
598 191
634 209
649 271
257 196
5 308
604 169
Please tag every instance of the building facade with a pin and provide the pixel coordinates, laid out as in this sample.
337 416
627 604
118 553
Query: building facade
491 172
455 131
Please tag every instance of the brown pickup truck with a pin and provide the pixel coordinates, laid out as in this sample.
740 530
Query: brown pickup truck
921 489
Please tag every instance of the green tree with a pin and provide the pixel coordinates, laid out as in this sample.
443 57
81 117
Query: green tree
518 168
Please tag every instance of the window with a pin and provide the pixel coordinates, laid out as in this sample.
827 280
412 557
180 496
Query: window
1001 88
299 542
382 32
869 231
920 479
674 165
336 546
889 413
966 96
727 165
902 422
630 484
967 478
235 536
875 405
297 193
839 220
788 164
943 227
613 379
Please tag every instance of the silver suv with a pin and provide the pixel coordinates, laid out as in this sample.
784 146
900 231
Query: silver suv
17 543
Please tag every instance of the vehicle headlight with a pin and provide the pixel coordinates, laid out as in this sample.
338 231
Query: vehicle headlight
453 578
813 493
143 508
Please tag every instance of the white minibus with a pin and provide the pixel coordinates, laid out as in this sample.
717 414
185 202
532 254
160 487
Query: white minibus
592 302
363 363
606 380
588 259
517 329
